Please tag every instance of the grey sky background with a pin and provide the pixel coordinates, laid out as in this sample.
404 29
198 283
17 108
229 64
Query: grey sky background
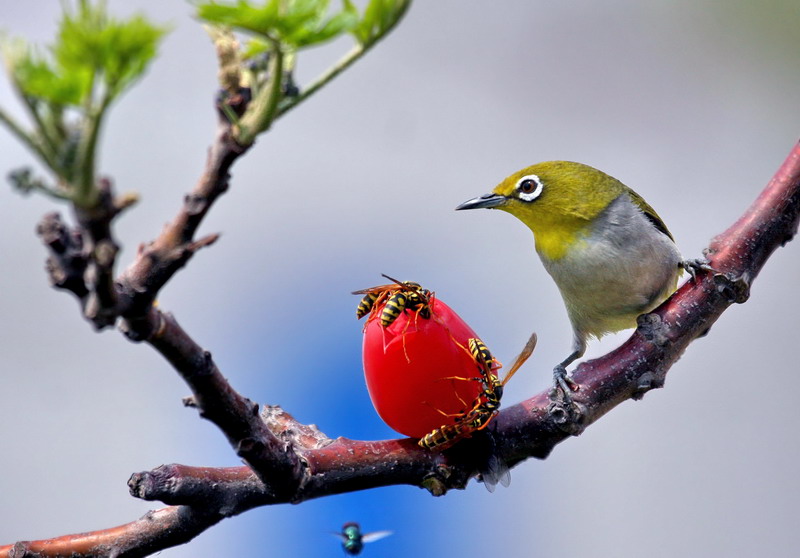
692 103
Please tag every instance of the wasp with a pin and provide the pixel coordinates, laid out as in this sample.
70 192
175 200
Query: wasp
492 386
398 297
486 405
445 436
366 303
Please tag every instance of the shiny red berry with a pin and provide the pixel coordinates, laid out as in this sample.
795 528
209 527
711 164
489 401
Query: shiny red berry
412 369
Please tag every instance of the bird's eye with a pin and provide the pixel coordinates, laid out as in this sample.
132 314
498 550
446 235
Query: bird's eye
529 187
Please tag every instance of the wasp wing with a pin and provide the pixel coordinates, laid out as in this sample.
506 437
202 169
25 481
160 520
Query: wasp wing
496 472
379 288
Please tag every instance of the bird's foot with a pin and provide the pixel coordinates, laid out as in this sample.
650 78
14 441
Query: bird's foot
696 265
563 385
563 410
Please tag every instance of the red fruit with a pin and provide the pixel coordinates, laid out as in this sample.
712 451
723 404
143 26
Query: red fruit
409 369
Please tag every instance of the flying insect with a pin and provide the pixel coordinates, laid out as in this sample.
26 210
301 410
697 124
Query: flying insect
353 540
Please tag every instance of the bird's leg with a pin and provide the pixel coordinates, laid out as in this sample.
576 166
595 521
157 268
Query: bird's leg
563 410
562 383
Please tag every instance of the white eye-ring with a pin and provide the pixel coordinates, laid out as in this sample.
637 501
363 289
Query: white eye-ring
529 187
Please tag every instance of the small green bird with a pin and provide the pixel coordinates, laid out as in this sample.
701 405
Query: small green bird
609 253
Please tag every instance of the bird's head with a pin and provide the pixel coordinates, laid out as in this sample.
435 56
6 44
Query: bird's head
557 200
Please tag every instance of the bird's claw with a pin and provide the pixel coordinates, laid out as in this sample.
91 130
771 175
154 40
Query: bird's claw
696 265
563 385
563 410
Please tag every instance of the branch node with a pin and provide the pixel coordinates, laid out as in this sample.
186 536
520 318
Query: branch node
195 204
208 365
20 550
97 314
653 329
567 417
207 240
736 289
141 484
646 382
434 484
125 201
105 252
152 325
67 262
286 428
248 446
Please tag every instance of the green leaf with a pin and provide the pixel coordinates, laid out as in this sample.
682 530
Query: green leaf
380 16
37 78
91 49
295 23
256 47
93 60
242 15
322 30
304 13
118 52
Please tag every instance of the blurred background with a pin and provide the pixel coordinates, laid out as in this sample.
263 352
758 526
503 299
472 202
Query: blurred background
692 103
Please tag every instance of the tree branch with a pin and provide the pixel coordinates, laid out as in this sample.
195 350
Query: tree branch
529 429
235 415
67 261
533 428
147 535
158 261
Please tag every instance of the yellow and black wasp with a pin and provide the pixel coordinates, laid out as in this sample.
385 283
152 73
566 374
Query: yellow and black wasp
398 297
486 405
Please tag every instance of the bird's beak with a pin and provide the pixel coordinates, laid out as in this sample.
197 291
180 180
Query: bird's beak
485 201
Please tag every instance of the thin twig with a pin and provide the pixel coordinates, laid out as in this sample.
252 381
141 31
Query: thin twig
352 56
158 261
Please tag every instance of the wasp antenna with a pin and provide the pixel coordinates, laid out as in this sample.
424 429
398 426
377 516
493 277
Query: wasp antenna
392 279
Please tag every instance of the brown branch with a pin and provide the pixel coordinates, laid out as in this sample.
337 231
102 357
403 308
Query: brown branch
67 261
100 307
532 428
82 257
272 459
154 531
218 402
158 261
230 490
529 429
82 261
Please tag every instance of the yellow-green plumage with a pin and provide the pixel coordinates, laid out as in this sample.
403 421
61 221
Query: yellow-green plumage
575 195
608 251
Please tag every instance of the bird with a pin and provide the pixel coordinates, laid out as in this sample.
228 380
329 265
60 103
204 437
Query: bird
353 540
609 253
